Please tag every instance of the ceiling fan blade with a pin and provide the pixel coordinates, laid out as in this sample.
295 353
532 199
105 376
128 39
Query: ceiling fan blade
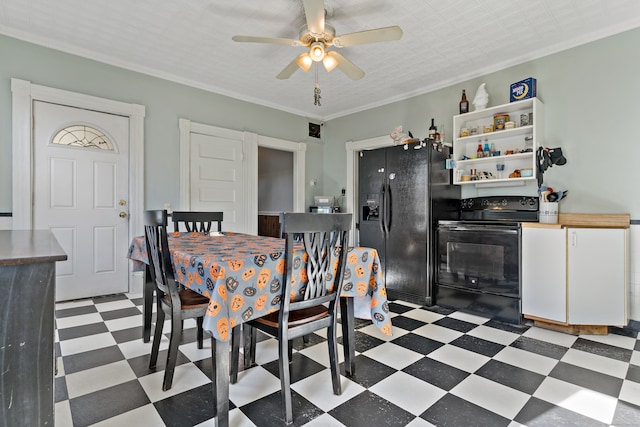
314 12
349 68
271 40
368 36
292 67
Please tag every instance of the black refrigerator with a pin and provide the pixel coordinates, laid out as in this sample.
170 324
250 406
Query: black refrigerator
403 191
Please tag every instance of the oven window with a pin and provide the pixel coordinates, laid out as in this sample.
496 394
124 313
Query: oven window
480 260
483 260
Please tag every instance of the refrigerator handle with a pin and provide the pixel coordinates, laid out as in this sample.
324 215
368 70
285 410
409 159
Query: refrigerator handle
387 213
382 208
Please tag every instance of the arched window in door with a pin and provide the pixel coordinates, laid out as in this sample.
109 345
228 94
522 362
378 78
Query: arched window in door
82 136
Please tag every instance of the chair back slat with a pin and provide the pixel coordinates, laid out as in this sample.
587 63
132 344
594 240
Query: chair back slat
161 267
319 253
197 222
324 239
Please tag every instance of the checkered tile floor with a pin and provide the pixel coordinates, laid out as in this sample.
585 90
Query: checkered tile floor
441 368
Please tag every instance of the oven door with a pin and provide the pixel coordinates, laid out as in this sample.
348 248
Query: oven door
482 258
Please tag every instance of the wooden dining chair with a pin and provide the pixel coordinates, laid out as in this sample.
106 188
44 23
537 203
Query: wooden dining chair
200 222
178 304
197 222
323 242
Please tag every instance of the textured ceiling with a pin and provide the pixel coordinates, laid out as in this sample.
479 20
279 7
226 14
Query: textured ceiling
189 41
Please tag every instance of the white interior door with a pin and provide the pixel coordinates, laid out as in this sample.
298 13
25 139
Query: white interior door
80 192
219 172
218 178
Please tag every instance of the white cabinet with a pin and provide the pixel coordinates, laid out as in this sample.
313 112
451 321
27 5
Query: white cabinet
544 273
596 276
521 142
575 276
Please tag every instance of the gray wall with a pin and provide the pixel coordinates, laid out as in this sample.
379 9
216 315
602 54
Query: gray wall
591 110
165 103
590 95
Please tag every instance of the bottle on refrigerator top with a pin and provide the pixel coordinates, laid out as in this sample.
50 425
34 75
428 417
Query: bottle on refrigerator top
442 134
464 104
432 130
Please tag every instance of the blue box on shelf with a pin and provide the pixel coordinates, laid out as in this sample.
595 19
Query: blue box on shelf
523 89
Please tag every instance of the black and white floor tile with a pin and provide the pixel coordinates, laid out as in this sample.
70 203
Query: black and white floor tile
440 368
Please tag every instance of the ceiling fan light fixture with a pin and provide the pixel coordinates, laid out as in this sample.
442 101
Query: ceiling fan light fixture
329 62
304 61
316 51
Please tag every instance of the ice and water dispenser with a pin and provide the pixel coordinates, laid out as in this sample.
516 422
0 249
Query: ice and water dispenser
371 211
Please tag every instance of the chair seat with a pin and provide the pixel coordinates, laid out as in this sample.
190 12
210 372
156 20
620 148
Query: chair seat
296 317
190 299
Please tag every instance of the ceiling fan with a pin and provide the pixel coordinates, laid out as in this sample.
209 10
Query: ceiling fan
318 37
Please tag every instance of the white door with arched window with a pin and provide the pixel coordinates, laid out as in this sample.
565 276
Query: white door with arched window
81 183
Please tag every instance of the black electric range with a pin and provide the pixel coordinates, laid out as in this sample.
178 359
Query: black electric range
479 256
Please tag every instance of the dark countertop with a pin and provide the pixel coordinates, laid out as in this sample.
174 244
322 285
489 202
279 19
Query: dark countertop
29 247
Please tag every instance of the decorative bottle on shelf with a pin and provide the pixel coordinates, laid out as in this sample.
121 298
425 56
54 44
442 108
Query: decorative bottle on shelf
464 104
432 130
480 153
486 150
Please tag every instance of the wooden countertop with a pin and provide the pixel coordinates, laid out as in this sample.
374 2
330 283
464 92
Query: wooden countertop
29 247
586 221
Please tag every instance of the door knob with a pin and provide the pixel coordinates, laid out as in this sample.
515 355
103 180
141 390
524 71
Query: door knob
122 202
123 214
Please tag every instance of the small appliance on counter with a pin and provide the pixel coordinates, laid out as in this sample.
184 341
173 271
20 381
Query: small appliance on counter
324 204
324 209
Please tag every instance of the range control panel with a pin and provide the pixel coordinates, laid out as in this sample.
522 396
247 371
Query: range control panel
499 203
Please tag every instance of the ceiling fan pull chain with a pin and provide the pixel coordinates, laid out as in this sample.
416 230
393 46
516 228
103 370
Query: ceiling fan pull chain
316 90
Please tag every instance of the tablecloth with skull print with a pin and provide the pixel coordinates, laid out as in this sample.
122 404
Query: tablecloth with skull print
242 276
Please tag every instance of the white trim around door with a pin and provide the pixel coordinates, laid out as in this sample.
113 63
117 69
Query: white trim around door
23 94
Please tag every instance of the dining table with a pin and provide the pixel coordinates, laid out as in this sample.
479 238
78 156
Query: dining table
241 275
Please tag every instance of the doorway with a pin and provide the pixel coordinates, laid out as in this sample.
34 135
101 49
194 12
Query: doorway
275 189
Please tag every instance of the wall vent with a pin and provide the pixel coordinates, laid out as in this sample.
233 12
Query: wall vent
314 130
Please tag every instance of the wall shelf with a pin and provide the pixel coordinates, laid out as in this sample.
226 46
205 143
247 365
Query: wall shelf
524 151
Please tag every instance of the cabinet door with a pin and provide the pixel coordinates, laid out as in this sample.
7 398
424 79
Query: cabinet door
544 273
596 274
